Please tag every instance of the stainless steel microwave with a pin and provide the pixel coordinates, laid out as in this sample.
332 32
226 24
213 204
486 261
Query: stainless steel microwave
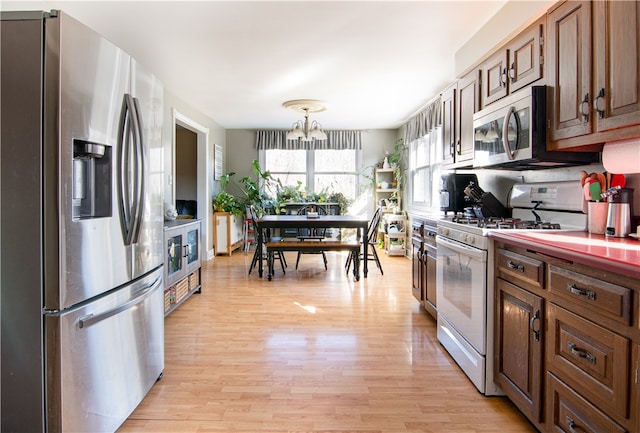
511 134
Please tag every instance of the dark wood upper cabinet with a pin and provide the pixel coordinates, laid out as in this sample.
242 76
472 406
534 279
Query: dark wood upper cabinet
616 96
526 57
448 101
468 105
516 65
494 77
460 101
593 61
569 63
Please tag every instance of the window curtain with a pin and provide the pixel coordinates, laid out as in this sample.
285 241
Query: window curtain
424 122
338 140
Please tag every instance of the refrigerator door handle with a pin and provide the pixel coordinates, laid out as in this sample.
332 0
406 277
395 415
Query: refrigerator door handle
130 169
92 319
123 180
138 204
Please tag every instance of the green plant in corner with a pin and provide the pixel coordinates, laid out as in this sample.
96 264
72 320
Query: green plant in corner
397 160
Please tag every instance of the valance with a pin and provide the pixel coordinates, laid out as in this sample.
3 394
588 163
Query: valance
338 140
423 122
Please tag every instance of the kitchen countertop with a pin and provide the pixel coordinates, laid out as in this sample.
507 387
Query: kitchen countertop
615 254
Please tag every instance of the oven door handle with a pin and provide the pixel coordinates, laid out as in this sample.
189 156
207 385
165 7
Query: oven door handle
475 253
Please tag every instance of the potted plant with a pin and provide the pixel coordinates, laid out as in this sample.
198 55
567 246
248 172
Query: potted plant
341 199
225 202
396 160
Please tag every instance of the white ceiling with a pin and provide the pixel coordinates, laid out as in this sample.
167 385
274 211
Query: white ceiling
374 63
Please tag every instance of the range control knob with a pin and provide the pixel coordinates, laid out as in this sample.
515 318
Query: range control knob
470 239
443 231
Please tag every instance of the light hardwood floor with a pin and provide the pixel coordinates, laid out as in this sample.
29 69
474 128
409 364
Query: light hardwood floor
311 351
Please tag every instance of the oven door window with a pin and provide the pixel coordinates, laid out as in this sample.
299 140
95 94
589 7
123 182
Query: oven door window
462 289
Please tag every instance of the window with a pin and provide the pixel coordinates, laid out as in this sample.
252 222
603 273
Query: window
425 156
318 170
288 166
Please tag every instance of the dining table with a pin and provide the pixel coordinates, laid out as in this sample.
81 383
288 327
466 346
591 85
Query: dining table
267 223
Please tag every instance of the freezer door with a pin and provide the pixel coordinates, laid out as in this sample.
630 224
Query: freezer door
148 96
103 358
86 78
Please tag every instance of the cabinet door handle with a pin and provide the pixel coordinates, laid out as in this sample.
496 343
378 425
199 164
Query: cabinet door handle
503 77
598 103
536 332
582 353
584 108
589 294
512 72
572 426
517 266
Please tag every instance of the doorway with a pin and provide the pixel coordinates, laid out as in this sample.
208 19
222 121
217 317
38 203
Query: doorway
190 172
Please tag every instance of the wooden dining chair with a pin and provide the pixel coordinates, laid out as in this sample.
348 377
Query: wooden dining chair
260 253
372 240
311 235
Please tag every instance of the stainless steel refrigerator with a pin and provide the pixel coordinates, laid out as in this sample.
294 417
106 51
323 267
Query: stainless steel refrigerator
82 336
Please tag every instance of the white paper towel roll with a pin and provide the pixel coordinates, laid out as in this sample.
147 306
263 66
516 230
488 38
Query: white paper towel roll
622 156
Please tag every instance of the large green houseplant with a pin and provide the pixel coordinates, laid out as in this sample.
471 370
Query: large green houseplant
226 202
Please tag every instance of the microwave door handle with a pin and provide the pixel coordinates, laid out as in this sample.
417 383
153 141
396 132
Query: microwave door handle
505 134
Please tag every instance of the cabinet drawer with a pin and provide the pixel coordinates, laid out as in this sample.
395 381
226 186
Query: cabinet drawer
520 269
592 360
600 297
567 411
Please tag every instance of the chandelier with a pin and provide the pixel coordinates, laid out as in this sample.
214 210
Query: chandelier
303 129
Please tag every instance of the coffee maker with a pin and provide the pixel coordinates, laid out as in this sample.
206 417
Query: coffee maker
452 196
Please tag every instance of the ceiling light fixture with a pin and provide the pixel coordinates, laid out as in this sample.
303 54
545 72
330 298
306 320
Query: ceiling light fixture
304 130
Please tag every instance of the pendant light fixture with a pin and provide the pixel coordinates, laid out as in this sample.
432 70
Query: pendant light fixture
303 129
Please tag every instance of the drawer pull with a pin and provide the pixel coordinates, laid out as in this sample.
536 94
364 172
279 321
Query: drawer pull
582 353
590 294
536 332
572 425
517 266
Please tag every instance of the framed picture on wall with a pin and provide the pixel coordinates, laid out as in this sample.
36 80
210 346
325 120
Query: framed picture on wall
217 162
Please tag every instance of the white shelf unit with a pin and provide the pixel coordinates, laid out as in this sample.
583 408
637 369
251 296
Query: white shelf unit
387 188
395 234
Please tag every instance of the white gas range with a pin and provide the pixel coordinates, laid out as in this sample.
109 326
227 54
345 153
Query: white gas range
465 270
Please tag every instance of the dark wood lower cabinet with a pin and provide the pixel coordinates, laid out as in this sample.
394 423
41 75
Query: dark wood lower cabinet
567 342
519 343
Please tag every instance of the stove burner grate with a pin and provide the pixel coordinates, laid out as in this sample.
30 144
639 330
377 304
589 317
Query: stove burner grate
505 223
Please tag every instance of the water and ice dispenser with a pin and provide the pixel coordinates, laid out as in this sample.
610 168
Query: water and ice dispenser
92 167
